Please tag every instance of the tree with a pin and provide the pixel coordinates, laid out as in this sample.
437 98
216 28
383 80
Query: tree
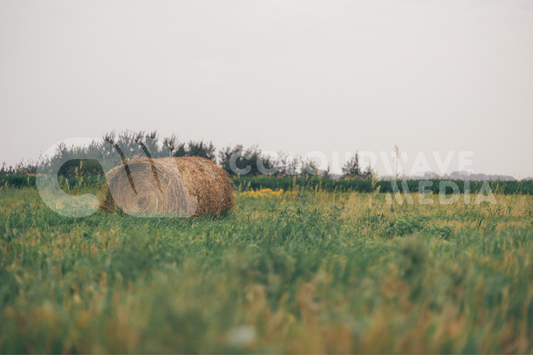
224 158
326 174
309 167
201 149
171 143
193 149
22 168
287 164
246 161
369 172
352 170
127 144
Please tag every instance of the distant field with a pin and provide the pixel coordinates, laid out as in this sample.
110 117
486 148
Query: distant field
312 183
296 272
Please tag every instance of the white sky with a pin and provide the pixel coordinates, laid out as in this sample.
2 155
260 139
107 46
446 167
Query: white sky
297 76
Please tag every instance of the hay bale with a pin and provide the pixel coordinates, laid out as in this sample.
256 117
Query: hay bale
173 187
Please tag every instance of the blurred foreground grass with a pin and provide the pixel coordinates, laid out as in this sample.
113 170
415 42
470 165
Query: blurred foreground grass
285 272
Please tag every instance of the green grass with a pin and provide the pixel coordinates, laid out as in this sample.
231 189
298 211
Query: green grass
309 183
304 272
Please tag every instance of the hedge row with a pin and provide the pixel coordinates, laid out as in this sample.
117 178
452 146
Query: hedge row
287 183
312 183
18 181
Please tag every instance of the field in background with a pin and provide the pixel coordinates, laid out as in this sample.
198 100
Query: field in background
298 271
309 183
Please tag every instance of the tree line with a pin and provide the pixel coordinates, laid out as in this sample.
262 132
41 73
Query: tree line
235 160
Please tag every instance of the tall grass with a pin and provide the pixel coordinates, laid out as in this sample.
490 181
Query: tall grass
307 271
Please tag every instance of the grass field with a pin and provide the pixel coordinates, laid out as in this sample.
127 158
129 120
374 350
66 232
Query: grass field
285 272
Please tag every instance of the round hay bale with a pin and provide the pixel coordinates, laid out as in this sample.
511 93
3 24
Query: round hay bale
172 187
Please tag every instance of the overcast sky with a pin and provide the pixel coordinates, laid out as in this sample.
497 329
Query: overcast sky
297 76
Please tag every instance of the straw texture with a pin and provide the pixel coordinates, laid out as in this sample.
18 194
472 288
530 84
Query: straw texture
173 187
